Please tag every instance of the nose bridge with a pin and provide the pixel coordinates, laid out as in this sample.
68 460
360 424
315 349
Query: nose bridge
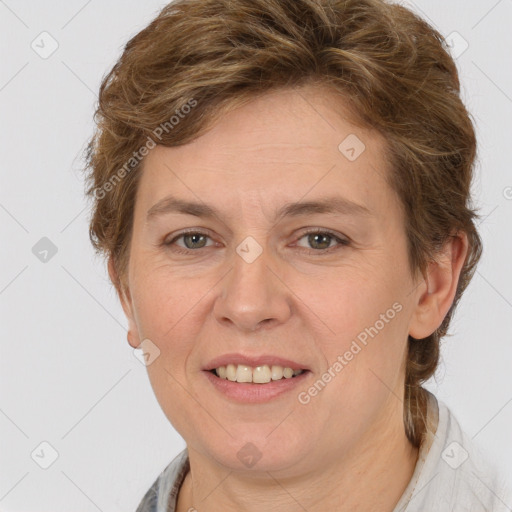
251 293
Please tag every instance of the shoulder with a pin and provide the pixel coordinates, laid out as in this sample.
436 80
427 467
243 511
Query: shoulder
161 496
455 474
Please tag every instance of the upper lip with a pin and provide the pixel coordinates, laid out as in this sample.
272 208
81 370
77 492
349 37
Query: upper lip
253 361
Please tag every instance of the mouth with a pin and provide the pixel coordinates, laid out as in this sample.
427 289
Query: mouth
244 384
263 374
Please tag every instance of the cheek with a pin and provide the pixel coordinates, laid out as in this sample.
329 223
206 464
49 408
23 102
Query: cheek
352 304
167 314
365 350
363 375
162 301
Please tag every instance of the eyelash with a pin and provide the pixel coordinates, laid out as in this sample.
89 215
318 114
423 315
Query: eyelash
317 252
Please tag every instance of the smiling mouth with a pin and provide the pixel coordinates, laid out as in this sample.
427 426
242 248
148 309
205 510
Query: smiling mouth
258 375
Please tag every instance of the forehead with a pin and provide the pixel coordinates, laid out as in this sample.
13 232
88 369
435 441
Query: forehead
278 148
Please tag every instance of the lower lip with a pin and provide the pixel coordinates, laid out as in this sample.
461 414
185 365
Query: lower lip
247 392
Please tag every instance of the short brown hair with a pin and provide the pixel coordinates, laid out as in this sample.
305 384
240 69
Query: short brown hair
388 64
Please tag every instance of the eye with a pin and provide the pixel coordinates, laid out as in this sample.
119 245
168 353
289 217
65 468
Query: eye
321 241
191 239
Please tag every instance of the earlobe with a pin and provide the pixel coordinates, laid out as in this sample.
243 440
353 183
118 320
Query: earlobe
435 298
123 293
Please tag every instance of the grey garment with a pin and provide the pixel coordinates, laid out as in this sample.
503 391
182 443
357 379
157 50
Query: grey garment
453 474
163 494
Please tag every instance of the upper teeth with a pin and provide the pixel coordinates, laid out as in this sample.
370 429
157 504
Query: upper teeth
260 374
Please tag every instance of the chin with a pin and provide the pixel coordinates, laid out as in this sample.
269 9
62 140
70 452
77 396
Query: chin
259 452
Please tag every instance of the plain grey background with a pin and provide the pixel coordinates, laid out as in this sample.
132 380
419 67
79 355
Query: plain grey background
68 376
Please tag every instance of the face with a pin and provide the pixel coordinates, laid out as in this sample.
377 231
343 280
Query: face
293 254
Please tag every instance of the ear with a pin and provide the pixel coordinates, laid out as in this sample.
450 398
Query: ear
435 296
126 302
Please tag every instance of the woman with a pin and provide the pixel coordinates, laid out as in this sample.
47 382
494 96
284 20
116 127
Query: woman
281 188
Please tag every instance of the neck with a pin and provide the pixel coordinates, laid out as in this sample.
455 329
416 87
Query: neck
372 475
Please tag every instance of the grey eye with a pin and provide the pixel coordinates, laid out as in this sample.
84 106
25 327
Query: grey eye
194 240
319 240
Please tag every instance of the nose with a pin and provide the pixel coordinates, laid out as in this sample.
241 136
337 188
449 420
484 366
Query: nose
253 295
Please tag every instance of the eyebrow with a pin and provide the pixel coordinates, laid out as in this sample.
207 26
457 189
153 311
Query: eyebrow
333 205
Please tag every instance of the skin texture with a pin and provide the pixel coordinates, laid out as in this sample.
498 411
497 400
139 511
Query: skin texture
346 449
